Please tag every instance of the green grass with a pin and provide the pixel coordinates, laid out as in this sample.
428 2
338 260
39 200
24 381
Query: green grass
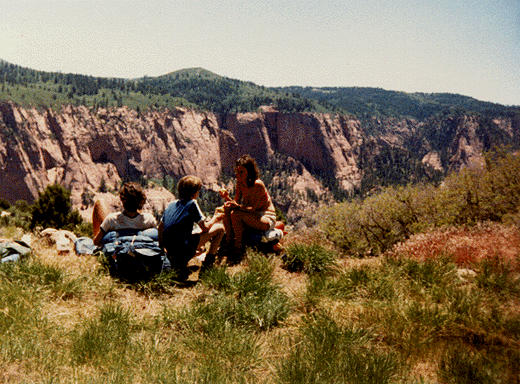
459 365
325 352
381 320
248 298
312 258
104 339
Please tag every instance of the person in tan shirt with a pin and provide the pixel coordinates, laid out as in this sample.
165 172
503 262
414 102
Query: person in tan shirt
251 207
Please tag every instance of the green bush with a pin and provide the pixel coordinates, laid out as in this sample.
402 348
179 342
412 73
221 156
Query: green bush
311 258
53 208
497 276
4 204
83 229
19 215
373 225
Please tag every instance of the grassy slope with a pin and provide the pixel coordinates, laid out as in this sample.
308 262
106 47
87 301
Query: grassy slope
374 320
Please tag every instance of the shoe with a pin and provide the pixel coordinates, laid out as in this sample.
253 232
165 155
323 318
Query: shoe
224 249
182 274
207 263
235 256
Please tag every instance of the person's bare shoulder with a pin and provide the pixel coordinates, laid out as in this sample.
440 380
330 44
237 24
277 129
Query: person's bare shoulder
259 183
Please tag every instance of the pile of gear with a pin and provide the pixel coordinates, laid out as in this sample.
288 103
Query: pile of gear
11 251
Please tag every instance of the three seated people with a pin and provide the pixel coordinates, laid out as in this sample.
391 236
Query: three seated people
183 228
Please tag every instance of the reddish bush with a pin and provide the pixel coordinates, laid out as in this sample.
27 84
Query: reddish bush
465 245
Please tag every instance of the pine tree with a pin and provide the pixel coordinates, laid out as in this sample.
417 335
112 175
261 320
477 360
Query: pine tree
53 208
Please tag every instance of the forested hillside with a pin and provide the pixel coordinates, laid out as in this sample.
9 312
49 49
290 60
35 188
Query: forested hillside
202 89
370 102
194 88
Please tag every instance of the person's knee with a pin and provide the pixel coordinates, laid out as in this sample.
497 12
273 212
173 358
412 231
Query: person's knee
218 229
236 215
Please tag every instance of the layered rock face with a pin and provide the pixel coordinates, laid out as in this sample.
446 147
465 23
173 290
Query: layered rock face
82 148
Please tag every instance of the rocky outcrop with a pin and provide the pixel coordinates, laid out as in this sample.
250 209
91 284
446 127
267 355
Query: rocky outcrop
84 149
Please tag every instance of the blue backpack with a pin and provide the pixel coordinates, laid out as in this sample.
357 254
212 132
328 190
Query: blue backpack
134 255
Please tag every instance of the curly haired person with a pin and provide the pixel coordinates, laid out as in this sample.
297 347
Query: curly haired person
132 198
251 207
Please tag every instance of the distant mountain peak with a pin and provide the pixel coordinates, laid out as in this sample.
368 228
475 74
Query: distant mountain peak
195 71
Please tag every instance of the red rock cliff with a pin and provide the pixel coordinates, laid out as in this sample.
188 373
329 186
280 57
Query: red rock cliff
81 148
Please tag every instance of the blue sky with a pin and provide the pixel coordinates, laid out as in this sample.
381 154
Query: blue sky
459 46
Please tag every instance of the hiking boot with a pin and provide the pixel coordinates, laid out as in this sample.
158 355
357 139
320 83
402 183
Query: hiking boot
182 274
235 256
207 263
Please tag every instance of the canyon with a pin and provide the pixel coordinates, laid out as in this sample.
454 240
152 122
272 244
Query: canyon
307 155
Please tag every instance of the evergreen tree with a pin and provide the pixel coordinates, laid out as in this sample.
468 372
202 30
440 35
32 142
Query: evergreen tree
53 208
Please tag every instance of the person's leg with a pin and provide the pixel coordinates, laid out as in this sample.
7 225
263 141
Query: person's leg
99 212
228 227
216 233
179 261
240 220
214 236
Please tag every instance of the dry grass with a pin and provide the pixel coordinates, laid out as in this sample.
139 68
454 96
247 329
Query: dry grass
100 289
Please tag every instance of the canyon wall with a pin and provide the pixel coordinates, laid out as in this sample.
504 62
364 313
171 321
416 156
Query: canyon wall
83 148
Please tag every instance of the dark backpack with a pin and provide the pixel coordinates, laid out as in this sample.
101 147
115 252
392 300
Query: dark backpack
134 255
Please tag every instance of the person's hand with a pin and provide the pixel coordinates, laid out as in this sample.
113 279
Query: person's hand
231 204
224 194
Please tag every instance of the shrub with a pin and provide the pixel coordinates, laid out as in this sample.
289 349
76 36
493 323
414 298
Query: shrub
465 246
4 204
53 208
19 215
311 258
375 224
497 275
83 229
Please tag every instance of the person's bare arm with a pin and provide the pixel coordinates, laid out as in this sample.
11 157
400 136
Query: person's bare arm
99 237
259 199
224 194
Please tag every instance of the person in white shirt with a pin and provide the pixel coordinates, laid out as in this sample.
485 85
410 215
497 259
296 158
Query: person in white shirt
132 198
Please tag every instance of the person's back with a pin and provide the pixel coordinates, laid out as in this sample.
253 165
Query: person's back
129 237
132 198
116 221
176 233
178 225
